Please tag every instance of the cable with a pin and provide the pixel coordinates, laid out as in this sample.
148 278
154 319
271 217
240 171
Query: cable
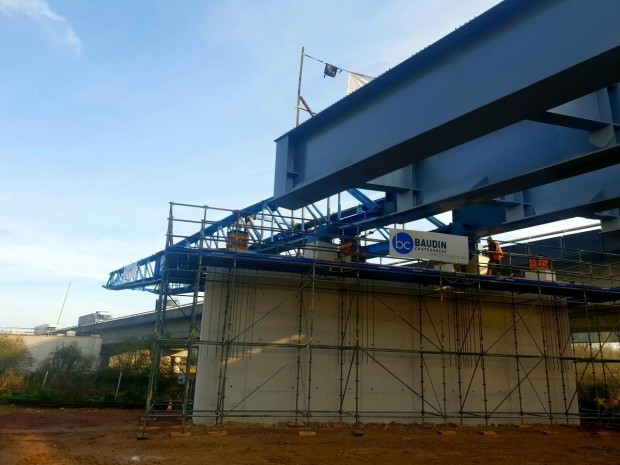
339 68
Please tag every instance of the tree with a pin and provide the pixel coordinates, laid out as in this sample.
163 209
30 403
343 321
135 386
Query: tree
14 355
132 356
68 359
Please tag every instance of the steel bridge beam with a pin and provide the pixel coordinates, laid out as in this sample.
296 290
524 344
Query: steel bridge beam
585 195
519 157
513 63
580 196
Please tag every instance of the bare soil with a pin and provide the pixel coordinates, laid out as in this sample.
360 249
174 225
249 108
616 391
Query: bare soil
34 436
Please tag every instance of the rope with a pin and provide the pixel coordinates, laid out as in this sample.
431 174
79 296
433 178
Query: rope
339 68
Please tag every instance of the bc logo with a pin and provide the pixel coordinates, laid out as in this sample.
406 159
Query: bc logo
402 243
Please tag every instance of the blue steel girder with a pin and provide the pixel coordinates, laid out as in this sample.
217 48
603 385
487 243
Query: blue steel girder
364 199
584 195
515 62
597 113
610 220
436 222
592 195
515 158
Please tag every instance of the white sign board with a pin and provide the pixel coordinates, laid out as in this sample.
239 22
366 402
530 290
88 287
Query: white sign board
445 248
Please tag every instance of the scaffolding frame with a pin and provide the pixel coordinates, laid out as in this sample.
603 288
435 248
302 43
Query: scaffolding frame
454 342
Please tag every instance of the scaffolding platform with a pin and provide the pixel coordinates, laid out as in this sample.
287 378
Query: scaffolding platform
183 264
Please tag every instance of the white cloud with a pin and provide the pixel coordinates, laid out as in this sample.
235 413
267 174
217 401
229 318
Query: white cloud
58 27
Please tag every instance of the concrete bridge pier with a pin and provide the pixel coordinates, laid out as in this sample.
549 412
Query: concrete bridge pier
290 347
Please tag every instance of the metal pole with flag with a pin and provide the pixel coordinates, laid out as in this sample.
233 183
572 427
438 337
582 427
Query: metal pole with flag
301 67
355 81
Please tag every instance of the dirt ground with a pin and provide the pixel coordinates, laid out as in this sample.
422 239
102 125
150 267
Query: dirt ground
34 436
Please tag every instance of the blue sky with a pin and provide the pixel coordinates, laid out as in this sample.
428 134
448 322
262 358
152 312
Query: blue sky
109 110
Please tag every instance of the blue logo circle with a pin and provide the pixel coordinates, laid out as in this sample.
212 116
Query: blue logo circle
402 243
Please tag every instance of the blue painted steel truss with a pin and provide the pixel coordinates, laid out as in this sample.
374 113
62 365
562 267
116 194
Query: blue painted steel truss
266 228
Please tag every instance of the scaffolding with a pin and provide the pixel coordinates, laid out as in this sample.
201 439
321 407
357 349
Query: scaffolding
302 322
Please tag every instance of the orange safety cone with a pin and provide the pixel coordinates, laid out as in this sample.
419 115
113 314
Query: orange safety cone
169 409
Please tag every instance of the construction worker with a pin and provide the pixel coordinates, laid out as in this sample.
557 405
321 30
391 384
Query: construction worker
495 253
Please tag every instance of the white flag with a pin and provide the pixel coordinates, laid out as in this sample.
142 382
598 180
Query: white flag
356 81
